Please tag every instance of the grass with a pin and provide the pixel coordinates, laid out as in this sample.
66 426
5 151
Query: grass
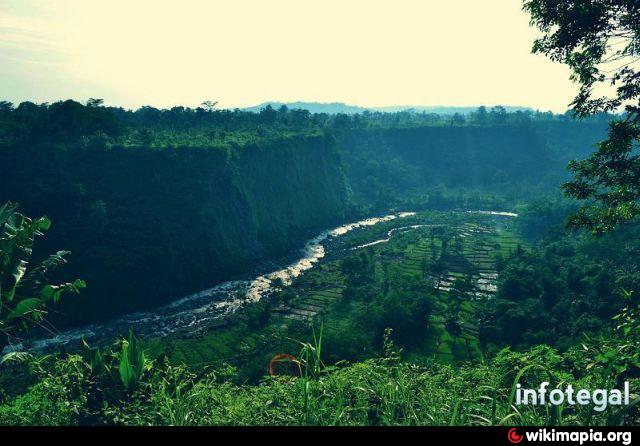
384 391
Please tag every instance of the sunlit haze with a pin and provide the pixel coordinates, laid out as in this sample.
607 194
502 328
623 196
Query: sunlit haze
244 52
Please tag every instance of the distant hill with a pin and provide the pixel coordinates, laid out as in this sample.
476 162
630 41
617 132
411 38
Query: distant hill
443 109
339 107
313 107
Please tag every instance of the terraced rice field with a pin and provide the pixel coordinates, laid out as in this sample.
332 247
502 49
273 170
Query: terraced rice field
441 251
472 248
474 256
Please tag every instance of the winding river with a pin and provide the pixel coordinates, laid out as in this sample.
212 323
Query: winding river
198 312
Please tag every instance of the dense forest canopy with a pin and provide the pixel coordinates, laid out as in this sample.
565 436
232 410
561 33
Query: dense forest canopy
155 188
93 123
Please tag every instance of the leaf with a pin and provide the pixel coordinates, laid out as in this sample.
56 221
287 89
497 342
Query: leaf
25 307
16 357
132 362
454 414
54 292
79 284
17 272
6 210
127 374
43 224
97 364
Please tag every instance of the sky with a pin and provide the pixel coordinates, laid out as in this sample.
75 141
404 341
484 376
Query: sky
244 52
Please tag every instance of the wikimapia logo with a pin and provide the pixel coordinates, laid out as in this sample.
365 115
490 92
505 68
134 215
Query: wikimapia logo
581 437
513 436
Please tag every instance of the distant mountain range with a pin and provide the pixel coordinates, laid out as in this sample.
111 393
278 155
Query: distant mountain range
339 107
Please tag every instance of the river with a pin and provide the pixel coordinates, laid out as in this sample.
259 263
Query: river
198 312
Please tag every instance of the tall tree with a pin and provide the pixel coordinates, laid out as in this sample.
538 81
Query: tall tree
600 41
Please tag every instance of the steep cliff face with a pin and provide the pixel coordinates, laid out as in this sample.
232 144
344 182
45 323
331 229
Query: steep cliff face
292 186
147 226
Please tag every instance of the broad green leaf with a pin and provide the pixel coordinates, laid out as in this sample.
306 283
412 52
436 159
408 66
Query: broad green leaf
127 373
43 223
25 307
17 272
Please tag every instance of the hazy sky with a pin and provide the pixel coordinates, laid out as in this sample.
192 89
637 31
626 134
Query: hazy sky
243 52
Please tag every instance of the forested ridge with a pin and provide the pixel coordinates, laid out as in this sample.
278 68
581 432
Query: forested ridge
186 198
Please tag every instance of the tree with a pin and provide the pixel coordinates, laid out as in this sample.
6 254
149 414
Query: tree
498 115
480 116
95 102
5 106
209 106
458 119
24 294
600 41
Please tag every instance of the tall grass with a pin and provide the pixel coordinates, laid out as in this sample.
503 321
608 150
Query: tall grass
382 391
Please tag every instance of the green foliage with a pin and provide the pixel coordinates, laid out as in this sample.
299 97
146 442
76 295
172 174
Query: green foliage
374 392
311 356
599 40
609 180
25 294
588 36
132 362
79 388
561 289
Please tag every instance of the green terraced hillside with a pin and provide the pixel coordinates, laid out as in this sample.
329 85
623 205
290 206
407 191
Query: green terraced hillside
446 259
